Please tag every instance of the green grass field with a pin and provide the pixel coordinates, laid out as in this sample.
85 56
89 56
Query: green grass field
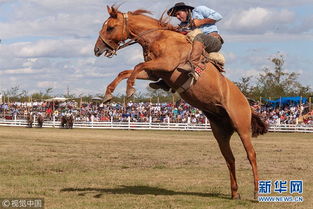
90 169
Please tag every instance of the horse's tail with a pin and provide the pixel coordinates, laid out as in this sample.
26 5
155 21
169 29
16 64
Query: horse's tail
258 125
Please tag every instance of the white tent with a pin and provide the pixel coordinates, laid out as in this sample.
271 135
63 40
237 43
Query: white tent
59 99
97 98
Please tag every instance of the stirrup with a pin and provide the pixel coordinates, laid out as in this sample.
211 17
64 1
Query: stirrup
193 74
185 66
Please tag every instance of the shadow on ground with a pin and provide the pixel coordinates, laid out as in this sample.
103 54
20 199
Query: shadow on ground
139 190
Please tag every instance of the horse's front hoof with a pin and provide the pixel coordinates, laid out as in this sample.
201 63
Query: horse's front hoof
130 92
107 98
236 197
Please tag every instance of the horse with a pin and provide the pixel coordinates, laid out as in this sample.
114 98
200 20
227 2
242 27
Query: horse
67 121
29 120
220 100
40 120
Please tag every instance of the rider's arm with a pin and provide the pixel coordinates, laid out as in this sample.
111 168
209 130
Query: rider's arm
198 22
203 15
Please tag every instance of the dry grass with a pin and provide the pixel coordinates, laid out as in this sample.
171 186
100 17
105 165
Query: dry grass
144 169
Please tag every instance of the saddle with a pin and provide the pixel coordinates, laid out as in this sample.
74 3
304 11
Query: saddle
216 58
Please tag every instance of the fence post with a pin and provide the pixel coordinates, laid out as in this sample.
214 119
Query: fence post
128 122
188 122
150 121
111 121
53 119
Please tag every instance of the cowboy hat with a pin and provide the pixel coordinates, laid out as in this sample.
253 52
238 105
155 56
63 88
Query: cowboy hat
177 7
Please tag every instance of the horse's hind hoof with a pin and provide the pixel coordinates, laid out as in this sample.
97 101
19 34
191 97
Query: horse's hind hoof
236 197
130 92
107 98
256 196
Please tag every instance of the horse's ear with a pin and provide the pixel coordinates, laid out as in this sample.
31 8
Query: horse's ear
109 9
112 11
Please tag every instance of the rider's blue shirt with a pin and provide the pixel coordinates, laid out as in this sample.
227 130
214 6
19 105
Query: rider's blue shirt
202 12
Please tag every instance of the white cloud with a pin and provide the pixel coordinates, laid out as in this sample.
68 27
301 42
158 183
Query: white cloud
17 71
252 18
49 48
49 43
4 1
47 84
259 20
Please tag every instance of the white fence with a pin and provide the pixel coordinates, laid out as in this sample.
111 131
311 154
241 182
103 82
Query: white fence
153 126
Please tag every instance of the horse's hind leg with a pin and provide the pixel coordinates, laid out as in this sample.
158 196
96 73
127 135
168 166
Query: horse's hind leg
245 136
121 76
223 132
242 123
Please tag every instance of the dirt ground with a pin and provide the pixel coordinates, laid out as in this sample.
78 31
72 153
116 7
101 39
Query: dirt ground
85 168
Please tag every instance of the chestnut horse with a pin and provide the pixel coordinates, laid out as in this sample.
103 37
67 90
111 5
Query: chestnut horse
219 99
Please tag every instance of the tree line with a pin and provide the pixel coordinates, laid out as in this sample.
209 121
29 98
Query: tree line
272 82
16 94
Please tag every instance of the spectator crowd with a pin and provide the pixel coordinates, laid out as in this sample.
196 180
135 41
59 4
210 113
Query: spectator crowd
180 112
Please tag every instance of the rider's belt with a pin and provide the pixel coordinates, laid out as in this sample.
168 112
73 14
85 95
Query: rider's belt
216 35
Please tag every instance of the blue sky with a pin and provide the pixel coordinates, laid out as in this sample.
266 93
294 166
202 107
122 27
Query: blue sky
49 43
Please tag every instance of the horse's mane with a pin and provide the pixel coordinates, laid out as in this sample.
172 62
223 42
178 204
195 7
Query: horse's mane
163 21
140 12
136 12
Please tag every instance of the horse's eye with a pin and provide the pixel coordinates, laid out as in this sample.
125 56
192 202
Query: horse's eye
109 28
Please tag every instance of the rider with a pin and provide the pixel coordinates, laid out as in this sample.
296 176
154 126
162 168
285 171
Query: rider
191 18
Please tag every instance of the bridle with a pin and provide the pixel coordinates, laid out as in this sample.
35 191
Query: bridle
114 47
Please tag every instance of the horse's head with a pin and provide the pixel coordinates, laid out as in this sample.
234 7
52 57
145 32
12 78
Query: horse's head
113 32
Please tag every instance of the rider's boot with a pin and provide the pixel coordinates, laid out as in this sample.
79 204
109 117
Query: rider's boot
195 59
159 85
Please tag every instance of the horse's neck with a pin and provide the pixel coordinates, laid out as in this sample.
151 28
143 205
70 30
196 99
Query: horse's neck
143 28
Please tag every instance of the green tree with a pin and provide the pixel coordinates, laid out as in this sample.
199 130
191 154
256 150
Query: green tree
40 96
277 82
48 92
160 95
245 86
16 94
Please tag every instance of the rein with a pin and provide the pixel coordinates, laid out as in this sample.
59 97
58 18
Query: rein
122 44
